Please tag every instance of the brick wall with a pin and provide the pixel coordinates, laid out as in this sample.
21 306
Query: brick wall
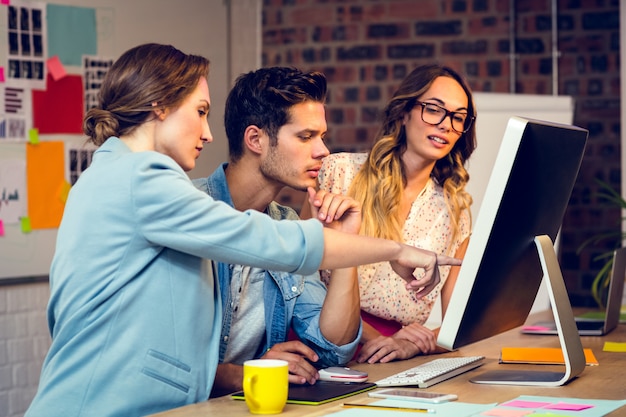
24 341
365 47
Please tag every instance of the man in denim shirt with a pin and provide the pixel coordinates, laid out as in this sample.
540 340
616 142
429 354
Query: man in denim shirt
275 122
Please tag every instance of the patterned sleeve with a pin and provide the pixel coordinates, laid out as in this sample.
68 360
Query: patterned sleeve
338 171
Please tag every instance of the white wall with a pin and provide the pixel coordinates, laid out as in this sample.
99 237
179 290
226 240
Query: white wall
194 26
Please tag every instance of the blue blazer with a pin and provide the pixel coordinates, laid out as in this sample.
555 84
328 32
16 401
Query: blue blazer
134 311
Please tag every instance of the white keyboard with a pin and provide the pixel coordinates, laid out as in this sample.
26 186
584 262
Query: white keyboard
433 372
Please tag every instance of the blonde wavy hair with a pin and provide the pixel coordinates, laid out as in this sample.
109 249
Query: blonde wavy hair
380 182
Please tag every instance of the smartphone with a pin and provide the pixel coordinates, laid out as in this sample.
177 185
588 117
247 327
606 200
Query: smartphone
410 395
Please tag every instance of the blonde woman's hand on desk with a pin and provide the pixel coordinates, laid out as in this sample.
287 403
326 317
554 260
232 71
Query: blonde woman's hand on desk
406 343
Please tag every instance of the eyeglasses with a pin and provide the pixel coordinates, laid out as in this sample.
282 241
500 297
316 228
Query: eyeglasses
434 114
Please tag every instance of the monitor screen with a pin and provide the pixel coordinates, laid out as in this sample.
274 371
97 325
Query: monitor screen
527 194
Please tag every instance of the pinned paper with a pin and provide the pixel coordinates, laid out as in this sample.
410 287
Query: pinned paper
45 174
55 68
25 224
59 109
614 347
71 32
33 136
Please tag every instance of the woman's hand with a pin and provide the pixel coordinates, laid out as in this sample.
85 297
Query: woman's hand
406 343
410 256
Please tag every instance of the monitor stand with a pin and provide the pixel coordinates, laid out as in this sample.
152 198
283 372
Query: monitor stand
566 329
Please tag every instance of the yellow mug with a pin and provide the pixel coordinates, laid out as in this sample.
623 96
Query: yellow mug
265 385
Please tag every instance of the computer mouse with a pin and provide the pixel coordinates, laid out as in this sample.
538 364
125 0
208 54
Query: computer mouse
340 374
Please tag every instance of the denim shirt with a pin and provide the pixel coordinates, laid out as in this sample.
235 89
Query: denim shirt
290 300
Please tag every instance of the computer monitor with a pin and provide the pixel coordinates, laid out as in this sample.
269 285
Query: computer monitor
511 246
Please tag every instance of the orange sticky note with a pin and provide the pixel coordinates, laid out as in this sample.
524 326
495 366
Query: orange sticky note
25 224
45 174
55 68
536 355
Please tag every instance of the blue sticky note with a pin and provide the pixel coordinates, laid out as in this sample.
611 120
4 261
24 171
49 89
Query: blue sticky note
72 33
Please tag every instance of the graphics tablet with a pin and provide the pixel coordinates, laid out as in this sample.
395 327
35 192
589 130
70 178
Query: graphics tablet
321 392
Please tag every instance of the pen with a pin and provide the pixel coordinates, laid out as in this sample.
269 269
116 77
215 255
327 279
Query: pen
389 407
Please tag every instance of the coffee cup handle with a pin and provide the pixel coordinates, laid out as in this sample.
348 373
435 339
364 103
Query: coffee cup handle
247 387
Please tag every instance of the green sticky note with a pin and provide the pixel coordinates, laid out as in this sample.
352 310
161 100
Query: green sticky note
25 223
33 136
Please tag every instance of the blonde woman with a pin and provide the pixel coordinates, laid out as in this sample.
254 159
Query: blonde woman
411 187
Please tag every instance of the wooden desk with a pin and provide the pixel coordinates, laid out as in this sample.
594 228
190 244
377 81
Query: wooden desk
605 381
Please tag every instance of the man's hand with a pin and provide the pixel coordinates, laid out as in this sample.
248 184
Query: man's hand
407 342
298 355
336 211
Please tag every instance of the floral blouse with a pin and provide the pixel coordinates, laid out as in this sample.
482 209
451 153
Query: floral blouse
383 293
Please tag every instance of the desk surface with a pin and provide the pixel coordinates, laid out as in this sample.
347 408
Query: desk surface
598 382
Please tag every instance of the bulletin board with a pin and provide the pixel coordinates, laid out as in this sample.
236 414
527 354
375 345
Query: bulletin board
52 56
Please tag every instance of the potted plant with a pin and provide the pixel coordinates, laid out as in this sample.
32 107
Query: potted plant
600 284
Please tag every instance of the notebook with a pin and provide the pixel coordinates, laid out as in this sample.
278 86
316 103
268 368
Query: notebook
595 327
540 356
321 392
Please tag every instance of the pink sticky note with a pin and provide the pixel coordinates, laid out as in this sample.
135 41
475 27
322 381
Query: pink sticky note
1 74
5 2
525 404
1 228
568 406
55 68
506 412
535 328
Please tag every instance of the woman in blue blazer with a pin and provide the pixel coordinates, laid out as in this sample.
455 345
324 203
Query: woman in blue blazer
134 310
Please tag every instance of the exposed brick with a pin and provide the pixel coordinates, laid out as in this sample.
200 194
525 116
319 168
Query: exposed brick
357 53
429 28
465 47
600 21
307 16
459 6
407 10
388 31
410 51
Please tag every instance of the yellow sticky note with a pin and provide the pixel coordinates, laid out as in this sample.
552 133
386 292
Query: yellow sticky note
64 191
25 223
614 347
33 136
